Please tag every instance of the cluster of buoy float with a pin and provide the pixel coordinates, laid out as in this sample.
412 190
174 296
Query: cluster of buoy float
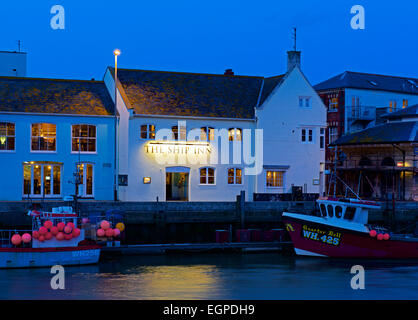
378 235
17 239
61 231
107 231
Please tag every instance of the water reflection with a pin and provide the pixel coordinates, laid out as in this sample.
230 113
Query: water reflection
223 276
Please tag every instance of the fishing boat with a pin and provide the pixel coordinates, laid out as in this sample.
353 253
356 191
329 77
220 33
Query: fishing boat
55 239
341 230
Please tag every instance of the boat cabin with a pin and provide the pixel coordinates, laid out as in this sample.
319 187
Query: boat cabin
349 210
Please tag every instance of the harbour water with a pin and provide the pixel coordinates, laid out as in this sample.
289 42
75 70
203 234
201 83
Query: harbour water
216 276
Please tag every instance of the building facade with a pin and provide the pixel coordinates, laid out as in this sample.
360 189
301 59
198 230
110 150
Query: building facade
380 162
52 133
205 137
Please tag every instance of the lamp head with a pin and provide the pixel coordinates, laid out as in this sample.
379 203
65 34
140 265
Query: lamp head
116 52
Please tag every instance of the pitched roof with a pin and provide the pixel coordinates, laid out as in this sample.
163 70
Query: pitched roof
194 94
269 85
54 96
392 132
409 112
368 81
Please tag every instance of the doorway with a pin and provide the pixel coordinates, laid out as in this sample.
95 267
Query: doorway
177 186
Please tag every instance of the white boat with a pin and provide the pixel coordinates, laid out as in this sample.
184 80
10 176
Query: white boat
43 252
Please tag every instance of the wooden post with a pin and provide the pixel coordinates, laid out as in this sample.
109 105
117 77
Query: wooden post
241 207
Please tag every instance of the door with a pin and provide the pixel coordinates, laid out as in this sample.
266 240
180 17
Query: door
177 186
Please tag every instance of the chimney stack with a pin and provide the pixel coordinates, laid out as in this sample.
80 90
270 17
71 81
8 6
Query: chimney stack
229 72
293 60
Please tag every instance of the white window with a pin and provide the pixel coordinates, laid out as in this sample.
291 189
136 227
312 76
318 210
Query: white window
305 102
235 134
333 102
83 138
207 176
274 179
85 180
333 134
307 135
43 137
234 176
41 179
322 138
147 131
179 134
207 134
7 136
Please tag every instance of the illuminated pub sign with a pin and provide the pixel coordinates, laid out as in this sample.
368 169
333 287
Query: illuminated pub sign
178 148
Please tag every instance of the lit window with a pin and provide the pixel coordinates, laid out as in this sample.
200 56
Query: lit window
43 137
7 136
234 176
274 179
207 134
235 134
404 103
207 176
333 103
148 131
179 134
83 138
42 179
85 180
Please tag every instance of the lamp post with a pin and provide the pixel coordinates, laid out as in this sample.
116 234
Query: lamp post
116 53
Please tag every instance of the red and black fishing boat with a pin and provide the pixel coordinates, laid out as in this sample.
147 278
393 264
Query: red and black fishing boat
342 230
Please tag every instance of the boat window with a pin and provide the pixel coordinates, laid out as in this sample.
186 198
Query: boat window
349 213
338 211
323 210
330 211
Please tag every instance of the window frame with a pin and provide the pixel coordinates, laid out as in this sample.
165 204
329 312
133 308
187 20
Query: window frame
235 176
7 136
207 176
309 134
331 134
177 133
234 136
207 131
306 102
283 172
88 138
84 182
148 131
32 165
31 137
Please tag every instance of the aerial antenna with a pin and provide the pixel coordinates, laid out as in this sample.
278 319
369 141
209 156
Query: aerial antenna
18 45
294 38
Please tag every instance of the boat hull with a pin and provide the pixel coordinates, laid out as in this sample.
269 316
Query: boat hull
47 257
312 238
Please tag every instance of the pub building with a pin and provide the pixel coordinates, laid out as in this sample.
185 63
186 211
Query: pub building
206 137
52 131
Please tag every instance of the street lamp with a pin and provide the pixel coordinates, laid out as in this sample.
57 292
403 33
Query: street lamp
116 53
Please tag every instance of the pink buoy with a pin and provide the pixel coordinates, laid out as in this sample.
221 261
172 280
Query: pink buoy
116 232
60 236
68 236
35 234
61 226
16 239
26 238
373 233
48 224
76 232
109 233
100 233
380 236
43 230
41 238
48 236
386 236
71 225
85 220
105 225
68 229
54 231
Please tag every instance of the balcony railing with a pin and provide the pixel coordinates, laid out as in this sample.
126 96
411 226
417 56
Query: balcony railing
361 112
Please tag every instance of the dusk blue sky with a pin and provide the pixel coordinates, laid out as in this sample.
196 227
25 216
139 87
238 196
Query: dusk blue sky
251 37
